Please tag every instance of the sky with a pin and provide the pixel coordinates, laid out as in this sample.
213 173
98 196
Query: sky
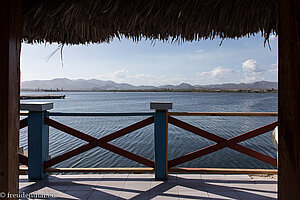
155 63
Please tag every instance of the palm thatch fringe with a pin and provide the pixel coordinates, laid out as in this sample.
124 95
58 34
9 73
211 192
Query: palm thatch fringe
97 21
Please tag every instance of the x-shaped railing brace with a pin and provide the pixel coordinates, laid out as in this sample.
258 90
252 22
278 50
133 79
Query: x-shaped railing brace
101 142
222 143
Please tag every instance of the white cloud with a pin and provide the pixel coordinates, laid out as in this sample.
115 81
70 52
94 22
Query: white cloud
273 68
157 80
253 71
248 71
273 37
249 79
199 51
120 74
251 66
217 75
124 76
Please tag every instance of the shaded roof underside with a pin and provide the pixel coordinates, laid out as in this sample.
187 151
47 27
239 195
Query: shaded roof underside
97 21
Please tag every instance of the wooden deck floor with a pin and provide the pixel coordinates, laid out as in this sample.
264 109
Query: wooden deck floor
143 186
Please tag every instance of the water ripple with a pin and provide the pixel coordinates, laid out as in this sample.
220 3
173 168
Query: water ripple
180 142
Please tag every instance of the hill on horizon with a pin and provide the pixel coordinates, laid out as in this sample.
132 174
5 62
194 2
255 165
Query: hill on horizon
94 84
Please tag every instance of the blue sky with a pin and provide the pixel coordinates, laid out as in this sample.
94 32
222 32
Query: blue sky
144 63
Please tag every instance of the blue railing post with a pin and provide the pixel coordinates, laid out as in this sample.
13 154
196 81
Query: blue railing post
38 138
161 139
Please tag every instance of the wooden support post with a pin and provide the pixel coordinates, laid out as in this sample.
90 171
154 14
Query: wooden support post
161 139
10 45
289 99
38 138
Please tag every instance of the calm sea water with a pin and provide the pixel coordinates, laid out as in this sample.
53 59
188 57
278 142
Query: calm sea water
180 141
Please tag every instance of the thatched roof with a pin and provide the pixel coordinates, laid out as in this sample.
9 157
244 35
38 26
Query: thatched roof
94 21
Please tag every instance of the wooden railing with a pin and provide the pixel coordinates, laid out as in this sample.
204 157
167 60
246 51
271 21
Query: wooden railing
222 142
228 114
99 142
23 123
39 122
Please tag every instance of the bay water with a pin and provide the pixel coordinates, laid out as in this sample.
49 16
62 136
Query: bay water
141 141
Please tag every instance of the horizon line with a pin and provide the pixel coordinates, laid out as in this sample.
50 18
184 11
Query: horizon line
151 85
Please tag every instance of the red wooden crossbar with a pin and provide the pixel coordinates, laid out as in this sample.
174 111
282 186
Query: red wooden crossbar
101 142
23 159
222 143
24 123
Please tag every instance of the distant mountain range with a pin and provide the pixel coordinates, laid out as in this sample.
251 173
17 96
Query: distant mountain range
94 84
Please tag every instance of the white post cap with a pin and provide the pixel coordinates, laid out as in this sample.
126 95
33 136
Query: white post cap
160 105
36 106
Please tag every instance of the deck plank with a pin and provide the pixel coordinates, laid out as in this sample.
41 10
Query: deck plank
144 186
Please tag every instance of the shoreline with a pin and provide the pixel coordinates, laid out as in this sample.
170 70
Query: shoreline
193 91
